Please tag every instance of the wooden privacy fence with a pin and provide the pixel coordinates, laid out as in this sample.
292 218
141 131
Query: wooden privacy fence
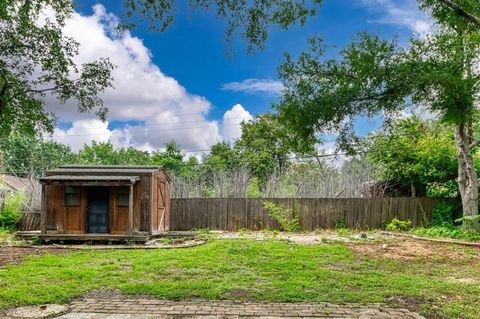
236 213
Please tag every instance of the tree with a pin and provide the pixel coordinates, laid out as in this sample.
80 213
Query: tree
266 145
100 153
252 18
37 60
23 155
417 154
374 76
221 157
171 159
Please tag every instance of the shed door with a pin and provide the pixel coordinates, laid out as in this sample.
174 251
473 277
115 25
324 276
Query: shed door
97 210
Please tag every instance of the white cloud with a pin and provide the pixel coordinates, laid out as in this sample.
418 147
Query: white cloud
141 94
401 12
232 120
254 86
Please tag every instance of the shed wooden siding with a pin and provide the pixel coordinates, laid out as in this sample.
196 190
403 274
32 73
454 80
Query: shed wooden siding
233 214
149 199
160 202
72 219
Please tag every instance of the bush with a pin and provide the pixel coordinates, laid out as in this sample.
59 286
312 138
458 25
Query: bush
399 225
253 189
11 212
289 219
442 215
446 231
340 224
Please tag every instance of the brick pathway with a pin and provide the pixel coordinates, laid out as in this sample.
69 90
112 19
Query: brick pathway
164 309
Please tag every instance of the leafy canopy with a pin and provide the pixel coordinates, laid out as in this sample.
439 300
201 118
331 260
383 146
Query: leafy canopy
251 18
37 62
373 76
417 153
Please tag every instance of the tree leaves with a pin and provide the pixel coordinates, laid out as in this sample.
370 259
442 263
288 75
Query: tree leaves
36 60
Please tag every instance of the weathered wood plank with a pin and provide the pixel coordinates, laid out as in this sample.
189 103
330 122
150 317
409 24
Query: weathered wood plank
233 214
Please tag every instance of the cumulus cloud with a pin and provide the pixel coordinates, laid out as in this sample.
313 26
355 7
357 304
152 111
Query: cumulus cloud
232 119
401 12
142 94
255 86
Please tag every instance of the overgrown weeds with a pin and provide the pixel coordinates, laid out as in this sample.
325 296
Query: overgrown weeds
288 218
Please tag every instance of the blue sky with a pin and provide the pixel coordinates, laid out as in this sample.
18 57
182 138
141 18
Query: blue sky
194 53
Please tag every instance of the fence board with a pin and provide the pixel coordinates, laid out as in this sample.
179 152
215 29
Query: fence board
237 213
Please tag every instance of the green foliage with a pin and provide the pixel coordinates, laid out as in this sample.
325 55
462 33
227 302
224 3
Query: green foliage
37 59
11 212
289 219
443 214
340 224
266 145
36 241
253 188
377 77
252 19
448 231
418 154
25 155
171 159
398 225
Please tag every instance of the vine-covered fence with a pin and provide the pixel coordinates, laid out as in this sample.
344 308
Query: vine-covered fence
244 213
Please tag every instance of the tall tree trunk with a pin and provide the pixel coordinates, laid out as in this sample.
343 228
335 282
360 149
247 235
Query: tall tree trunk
467 178
413 189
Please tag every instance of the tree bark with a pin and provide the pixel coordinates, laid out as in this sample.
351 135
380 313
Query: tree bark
467 178
413 189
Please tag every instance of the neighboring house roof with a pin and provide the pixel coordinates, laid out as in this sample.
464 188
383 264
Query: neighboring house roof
14 182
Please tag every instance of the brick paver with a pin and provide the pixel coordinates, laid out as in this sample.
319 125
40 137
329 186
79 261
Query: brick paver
165 309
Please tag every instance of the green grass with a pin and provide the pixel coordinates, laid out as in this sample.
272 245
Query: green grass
243 269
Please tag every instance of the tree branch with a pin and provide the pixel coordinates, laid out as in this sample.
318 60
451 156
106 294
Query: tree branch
43 90
462 12
474 144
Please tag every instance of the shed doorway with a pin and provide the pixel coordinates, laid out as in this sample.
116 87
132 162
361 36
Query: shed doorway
97 210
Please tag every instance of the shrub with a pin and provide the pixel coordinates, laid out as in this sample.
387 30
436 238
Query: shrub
289 219
11 212
340 224
399 225
446 231
442 214
253 189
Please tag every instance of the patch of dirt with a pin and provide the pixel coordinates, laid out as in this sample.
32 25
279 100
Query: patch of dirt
13 255
239 294
409 249
413 304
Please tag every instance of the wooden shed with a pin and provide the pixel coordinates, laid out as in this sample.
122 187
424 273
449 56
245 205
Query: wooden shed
105 203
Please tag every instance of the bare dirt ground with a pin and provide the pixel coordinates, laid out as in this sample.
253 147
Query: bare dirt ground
409 249
12 255
373 244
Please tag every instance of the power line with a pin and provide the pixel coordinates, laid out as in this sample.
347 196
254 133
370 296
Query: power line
146 129
163 123
205 164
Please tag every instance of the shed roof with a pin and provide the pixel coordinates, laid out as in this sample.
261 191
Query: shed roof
99 170
103 170
90 178
95 167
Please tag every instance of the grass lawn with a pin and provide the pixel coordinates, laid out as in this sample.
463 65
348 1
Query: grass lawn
247 269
